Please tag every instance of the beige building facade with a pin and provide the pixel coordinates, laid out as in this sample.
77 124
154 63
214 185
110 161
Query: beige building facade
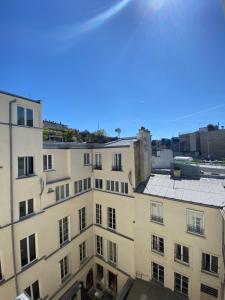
76 216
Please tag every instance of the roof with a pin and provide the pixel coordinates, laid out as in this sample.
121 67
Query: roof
204 191
21 97
145 290
126 142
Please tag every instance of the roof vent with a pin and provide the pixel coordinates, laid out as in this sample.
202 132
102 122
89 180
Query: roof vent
176 173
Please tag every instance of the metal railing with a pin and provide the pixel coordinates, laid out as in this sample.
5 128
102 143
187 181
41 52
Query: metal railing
195 229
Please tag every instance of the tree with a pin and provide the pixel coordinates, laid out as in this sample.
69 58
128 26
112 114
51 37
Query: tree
68 135
45 134
118 131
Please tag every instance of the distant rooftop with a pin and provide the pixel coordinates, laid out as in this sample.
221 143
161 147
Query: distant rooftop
125 142
21 97
204 191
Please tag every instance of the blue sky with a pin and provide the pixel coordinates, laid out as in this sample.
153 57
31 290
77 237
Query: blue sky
117 63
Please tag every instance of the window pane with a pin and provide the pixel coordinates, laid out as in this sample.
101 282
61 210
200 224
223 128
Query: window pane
67 190
30 117
30 167
21 169
36 293
49 162
23 252
22 209
32 247
20 116
30 206
45 162
185 254
28 291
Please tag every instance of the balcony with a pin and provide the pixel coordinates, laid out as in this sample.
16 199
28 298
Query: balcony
195 229
157 219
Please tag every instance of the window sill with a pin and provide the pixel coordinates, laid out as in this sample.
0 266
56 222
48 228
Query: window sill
157 252
196 234
63 280
64 244
210 273
27 216
87 165
181 262
111 263
24 177
156 222
83 260
181 294
50 170
115 170
23 268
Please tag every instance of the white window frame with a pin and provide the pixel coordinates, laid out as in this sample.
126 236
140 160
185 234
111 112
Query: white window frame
111 218
47 161
99 245
182 253
25 115
98 213
124 186
87 159
62 190
82 216
61 226
158 266
210 263
98 160
97 183
189 225
115 162
26 208
157 244
25 166
156 217
181 284
112 252
83 251
63 267
29 261
31 289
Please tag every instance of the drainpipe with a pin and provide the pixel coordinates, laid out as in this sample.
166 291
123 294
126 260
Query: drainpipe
11 194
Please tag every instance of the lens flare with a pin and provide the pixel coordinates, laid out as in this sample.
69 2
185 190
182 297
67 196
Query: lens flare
103 17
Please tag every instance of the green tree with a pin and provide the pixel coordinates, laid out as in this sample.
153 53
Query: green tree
118 131
45 134
68 135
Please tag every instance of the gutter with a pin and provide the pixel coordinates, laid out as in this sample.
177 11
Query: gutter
11 194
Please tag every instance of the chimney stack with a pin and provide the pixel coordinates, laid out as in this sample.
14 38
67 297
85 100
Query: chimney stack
144 137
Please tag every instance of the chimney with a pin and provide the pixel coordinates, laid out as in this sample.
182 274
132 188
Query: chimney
145 159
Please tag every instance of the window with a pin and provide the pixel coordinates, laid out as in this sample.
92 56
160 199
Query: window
63 230
78 186
112 186
112 253
87 184
117 162
20 115
62 192
99 245
124 188
98 214
25 166
99 272
98 161
210 263
195 222
99 184
1 274
25 116
182 253
112 282
158 272
83 251
86 159
181 284
26 208
157 212
209 290
111 218
30 117
47 162
82 218
64 267
158 244
27 250
33 291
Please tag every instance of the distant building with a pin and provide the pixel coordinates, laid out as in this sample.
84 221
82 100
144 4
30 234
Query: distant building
54 131
189 142
175 146
212 144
